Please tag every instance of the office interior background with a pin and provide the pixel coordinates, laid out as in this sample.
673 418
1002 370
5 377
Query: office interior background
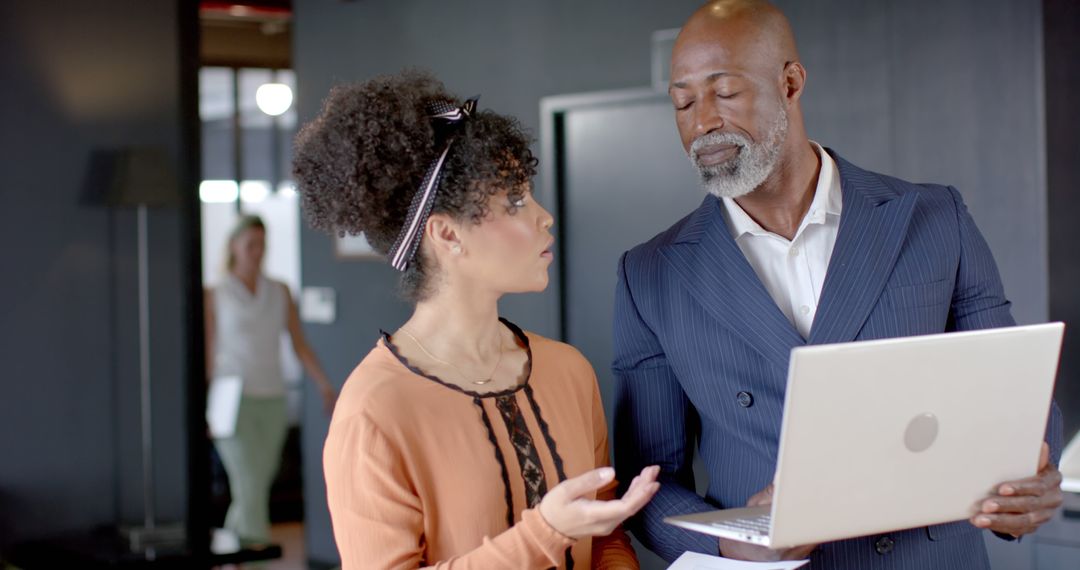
979 94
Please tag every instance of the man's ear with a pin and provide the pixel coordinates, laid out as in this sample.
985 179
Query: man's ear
793 81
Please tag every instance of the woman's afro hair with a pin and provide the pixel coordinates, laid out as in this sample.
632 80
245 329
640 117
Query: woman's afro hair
358 164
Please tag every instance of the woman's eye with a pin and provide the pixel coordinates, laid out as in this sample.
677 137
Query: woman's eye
518 203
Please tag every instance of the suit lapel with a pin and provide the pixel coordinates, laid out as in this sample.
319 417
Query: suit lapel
873 225
715 272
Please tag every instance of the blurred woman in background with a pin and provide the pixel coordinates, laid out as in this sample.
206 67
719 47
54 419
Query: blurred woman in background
246 313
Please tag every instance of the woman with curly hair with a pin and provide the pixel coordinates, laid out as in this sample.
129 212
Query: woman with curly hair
460 440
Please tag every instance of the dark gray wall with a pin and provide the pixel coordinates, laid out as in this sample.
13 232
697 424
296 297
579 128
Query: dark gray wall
927 90
79 77
1062 19
947 92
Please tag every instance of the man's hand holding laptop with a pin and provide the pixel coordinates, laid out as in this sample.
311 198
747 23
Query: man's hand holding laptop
1020 507
752 552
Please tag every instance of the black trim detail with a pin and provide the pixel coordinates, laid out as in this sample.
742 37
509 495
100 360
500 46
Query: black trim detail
502 462
523 339
555 457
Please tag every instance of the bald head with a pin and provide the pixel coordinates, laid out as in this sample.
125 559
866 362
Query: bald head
754 30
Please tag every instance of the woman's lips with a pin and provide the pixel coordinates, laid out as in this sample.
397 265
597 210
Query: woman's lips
547 253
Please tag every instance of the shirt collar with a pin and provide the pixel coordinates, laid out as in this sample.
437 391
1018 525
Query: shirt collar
827 201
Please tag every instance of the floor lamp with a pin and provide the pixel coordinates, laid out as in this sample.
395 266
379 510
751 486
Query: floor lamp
143 178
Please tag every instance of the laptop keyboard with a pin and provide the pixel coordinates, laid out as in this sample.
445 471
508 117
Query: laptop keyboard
753 525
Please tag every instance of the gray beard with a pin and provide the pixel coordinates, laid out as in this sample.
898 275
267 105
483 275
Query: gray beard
750 167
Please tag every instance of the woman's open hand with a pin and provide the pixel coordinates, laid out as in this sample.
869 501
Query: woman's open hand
568 509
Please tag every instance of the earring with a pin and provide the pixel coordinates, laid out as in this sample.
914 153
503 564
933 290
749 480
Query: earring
456 249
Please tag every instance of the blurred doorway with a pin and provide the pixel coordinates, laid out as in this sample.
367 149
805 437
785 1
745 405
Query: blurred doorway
248 119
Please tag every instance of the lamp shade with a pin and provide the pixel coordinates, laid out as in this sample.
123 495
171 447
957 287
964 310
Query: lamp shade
132 176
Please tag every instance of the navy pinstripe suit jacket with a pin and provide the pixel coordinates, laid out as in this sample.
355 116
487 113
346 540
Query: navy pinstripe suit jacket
694 327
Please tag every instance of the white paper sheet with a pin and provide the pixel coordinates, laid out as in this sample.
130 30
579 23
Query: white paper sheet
223 405
697 561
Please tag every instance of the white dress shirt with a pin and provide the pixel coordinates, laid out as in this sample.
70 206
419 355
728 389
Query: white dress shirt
794 271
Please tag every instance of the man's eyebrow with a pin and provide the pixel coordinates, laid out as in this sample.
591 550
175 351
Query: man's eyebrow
710 78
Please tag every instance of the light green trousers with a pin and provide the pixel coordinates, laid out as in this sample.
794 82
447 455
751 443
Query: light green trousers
251 458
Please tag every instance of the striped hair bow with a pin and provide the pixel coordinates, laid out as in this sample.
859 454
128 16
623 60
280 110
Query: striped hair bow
444 115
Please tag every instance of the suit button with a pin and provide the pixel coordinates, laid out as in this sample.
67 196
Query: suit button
884 545
746 399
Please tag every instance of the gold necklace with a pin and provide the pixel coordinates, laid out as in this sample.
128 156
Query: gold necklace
461 373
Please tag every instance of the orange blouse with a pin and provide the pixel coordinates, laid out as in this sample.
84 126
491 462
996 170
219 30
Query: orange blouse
422 473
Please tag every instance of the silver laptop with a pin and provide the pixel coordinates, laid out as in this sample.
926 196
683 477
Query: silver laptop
899 433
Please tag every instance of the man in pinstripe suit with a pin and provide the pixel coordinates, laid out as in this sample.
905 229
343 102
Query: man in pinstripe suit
793 245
